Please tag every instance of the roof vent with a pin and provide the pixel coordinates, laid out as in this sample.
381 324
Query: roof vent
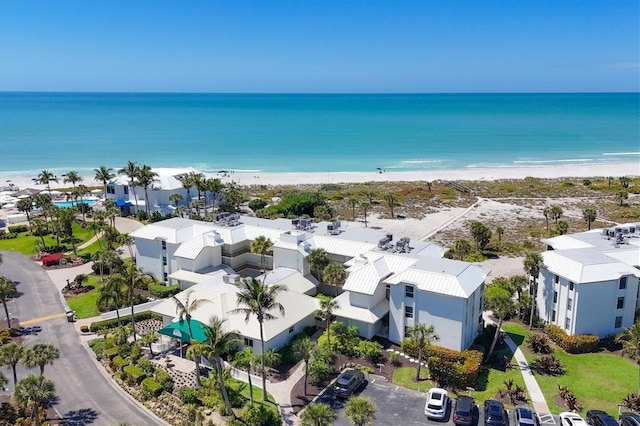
231 278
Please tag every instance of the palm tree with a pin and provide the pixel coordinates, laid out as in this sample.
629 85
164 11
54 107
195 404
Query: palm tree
81 191
130 278
547 214
365 208
556 212
318 260
66 218
532 263
175 198
110 296
499 233
261 245
46 177
126 240
215 186
146 177
131 170
391 202
327 307
500 302
335 275
40 224
148 339
7 291
184 310
516 285
201 186
257 298
40 354
360 411
630 340
187 183
462 248
32 392
423 335
562 227
303 349
25 206
246 359
218 342
104 174
353 203
10 356
622 195
589 215
72 177
318 414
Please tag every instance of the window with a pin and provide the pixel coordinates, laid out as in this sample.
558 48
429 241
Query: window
387 291
407 333
623 283
126 190
569 304
570 286
567 323
291 330
408 311
248 342
555 297
556 279
620 302
111 189
618 323
164 276
408 291
553 315
164 245
164 260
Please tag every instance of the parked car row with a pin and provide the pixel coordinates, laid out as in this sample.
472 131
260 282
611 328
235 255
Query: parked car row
599 418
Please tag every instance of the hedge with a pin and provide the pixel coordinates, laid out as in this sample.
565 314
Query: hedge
18 229
135 373
162 291
112 323
151 386
112 352
120 362
164 379
578 344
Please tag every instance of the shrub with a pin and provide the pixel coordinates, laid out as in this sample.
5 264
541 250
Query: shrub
8 236
578 344
164 379
151 387
452 368
112 352
257 204
162 291
319 371
119 362
84 328
97 346
17 229
632 401
146 366
112 323
135 373
259 415
539 344
394 358
548 365
567 395
369 350
188 395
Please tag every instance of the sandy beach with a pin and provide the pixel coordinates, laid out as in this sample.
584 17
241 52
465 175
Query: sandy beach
561 170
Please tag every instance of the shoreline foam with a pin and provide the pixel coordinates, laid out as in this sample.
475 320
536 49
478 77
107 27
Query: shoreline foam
468 174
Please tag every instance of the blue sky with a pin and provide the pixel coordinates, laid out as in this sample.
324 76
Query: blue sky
320 46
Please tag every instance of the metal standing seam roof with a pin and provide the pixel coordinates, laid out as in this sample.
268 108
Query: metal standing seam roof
340 246
174 230
190 249
562 242
461 284
366 278
369 316
586 266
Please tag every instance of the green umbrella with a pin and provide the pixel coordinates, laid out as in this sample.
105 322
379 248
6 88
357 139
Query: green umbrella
180 330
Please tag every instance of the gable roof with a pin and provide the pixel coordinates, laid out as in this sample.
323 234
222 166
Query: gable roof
586 266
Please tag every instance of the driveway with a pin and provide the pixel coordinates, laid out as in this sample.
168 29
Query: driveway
400 406
85 396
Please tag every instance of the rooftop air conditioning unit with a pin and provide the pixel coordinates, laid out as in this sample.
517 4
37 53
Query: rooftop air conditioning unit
231 278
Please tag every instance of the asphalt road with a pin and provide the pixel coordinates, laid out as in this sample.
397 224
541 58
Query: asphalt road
84 395
400 406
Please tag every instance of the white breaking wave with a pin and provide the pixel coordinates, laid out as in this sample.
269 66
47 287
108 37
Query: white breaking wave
621 153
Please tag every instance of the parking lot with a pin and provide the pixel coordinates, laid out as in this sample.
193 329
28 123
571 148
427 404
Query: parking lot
400 406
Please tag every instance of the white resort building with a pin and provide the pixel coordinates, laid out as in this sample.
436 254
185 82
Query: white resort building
589 281
391 283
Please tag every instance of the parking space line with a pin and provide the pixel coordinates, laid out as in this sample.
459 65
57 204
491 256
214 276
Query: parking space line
45 318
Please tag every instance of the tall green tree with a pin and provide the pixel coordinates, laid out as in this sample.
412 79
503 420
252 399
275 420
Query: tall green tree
335 275
66 218
500 233
110 296
621 196
215 187
625 181
104 174
45 177
40 225
391 201
318 260
562 227
7 291
130 278
25 206
246 359
131 170
630 341
33 392
556 212
256 298
547 214
187 183
360 411
303 349
500 302
462 248
40 355
365 209
423 335
481 234
10 356
72 177
218 343
148 339
318 414
184 312
146 177
261 245
589 215
532 263
175 198
353 203
327 308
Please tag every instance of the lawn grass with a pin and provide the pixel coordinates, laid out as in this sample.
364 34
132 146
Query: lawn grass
404 376
243 388
25 243
85 303
598 380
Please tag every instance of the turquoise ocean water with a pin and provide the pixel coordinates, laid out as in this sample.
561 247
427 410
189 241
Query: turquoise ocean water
314 133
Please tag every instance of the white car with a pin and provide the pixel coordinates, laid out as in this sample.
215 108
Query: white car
571 419
437 403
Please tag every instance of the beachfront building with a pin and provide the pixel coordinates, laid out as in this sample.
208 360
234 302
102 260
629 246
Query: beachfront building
589 281
380 270
131 199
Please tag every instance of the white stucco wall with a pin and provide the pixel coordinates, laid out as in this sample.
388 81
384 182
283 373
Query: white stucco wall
286 258
283 338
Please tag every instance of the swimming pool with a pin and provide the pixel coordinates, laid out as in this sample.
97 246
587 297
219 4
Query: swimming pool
67 204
